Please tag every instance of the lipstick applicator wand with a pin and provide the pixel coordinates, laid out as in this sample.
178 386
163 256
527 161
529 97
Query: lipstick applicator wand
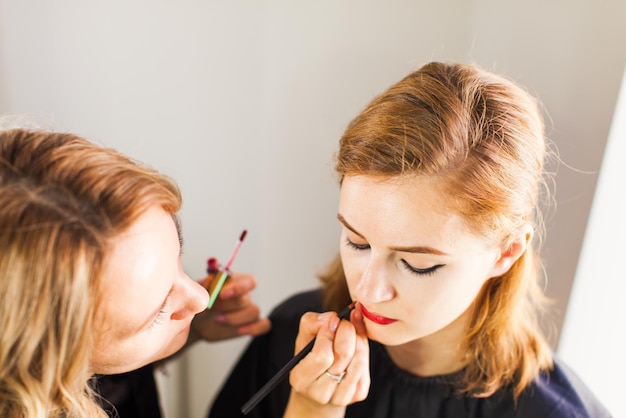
225 272
282 373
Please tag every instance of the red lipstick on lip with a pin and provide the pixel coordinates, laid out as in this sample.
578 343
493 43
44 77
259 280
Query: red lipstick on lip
381 320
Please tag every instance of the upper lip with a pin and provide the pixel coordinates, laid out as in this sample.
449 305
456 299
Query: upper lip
374 317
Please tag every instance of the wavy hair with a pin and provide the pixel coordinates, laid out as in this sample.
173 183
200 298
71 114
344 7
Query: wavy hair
482 135
62 200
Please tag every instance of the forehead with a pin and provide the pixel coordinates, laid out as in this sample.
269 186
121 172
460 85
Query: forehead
416 193
401 209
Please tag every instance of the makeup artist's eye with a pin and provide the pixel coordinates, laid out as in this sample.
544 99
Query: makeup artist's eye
158 319
358 247
161 316
179 230
421 272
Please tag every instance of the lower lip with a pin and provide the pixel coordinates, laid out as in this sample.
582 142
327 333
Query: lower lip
380 320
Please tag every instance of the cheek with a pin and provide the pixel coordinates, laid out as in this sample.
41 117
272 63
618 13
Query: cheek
118 355
452 293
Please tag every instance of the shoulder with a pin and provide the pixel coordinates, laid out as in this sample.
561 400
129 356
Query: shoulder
279 342
296 305
561 393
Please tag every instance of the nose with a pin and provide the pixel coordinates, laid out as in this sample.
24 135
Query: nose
373 285
194 299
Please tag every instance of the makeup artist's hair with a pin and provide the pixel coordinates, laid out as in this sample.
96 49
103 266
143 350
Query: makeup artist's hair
482 136
62 200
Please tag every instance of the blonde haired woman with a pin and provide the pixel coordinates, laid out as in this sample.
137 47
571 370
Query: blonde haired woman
91 280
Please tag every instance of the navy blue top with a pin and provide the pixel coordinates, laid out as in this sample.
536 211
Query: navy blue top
393 392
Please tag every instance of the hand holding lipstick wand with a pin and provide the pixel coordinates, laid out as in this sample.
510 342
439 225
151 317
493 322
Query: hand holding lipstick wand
282 373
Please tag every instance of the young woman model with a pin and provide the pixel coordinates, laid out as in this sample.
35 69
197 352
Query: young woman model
441 178
91 280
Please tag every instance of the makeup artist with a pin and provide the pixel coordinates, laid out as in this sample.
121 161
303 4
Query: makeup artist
91 280
441 182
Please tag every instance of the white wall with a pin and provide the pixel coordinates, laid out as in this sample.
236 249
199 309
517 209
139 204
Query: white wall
243 102
597 307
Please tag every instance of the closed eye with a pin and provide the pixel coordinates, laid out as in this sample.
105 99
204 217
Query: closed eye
158 319
421 272
358 247
161 316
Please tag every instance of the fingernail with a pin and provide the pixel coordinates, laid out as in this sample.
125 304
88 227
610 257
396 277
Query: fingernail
244 330
221 318
323 316
333 324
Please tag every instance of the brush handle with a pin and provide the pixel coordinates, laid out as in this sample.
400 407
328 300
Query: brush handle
278 377
223 275
284 371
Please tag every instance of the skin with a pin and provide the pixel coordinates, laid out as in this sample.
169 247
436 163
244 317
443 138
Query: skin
415 269
149 302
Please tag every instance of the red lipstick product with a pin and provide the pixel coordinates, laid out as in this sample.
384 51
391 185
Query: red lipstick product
219 276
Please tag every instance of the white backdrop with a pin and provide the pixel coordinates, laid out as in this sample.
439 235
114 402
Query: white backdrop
242 102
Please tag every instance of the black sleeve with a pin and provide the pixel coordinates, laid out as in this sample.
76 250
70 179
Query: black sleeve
263 357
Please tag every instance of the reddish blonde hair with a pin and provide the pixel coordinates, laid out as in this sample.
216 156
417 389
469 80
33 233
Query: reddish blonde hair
483 136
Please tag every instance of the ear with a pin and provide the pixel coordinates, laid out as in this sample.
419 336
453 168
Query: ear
512 251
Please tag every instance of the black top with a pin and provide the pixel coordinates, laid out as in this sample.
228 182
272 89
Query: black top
129 395
393 392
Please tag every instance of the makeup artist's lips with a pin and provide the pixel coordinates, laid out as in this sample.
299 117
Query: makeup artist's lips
381 320
185 329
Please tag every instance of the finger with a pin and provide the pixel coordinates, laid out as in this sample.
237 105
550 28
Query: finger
360 362
343 347
337 390
356 382
322 327
237 285
240 316
259 327
310 325
225 305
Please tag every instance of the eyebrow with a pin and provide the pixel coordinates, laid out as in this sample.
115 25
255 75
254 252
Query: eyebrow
419 249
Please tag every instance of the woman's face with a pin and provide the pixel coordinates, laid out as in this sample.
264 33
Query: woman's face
413 265
148 301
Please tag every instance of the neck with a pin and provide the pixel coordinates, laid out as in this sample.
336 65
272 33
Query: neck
437 354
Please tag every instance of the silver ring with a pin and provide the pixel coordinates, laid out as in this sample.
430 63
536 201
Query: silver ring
335 377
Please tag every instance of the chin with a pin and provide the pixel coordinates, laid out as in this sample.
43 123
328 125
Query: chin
389 338
176 343
117 368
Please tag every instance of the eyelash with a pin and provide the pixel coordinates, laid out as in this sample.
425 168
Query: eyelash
158 319
358 247
421 272
418 272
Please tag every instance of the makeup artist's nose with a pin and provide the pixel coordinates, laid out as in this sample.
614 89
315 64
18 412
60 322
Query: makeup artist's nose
373 286
194 299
